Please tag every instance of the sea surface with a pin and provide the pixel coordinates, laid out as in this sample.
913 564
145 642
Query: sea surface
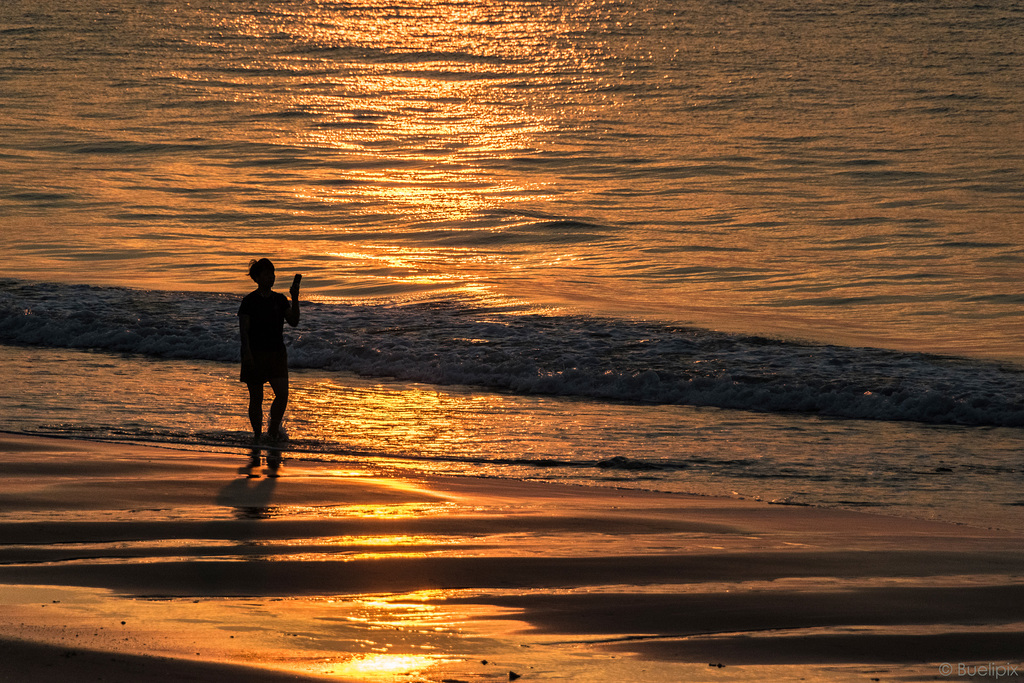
771 250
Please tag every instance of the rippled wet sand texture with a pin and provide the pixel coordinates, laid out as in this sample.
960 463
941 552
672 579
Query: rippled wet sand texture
117 559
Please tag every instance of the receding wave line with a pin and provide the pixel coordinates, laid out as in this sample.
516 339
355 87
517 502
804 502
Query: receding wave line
595 358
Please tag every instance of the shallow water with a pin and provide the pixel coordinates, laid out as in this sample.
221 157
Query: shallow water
962 474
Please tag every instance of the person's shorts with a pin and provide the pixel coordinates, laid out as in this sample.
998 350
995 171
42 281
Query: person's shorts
265 366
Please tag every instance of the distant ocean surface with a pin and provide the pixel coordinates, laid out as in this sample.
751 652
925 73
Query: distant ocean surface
764 249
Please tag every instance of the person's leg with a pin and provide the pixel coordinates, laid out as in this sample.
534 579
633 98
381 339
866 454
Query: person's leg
280 387
256 409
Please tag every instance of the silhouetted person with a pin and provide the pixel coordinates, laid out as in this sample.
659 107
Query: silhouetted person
261 318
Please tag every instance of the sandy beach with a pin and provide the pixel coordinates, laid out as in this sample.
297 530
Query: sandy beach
127 562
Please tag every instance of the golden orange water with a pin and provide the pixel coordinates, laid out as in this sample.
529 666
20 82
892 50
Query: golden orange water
746 168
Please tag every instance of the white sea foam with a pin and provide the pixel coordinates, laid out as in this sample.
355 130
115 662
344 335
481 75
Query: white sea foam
597 358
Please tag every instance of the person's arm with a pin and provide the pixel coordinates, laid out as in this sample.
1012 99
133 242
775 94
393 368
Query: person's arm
292 314
243 325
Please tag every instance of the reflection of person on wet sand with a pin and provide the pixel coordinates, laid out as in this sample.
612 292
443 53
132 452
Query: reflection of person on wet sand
261 318
274 460
250 496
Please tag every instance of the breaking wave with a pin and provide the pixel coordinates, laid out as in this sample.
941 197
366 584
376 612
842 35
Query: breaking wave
597 358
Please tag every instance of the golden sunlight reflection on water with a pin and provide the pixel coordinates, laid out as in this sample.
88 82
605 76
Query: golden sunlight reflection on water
451 423
420 130
411 630
420 140
632 159
376 420
375 667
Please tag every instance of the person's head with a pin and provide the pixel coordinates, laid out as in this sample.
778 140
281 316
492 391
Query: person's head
262 271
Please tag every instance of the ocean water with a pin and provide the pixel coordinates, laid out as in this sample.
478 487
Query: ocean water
764 249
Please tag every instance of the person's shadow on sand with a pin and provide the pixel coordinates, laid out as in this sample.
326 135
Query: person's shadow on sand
250 495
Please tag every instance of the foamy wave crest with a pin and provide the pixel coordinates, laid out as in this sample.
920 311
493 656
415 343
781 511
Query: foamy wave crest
597 358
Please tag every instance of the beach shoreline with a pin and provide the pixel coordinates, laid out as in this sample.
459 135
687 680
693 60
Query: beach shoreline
121 557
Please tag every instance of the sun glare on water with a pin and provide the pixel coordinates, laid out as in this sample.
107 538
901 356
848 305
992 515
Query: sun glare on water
375 667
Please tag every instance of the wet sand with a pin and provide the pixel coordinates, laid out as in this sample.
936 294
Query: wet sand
126 562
